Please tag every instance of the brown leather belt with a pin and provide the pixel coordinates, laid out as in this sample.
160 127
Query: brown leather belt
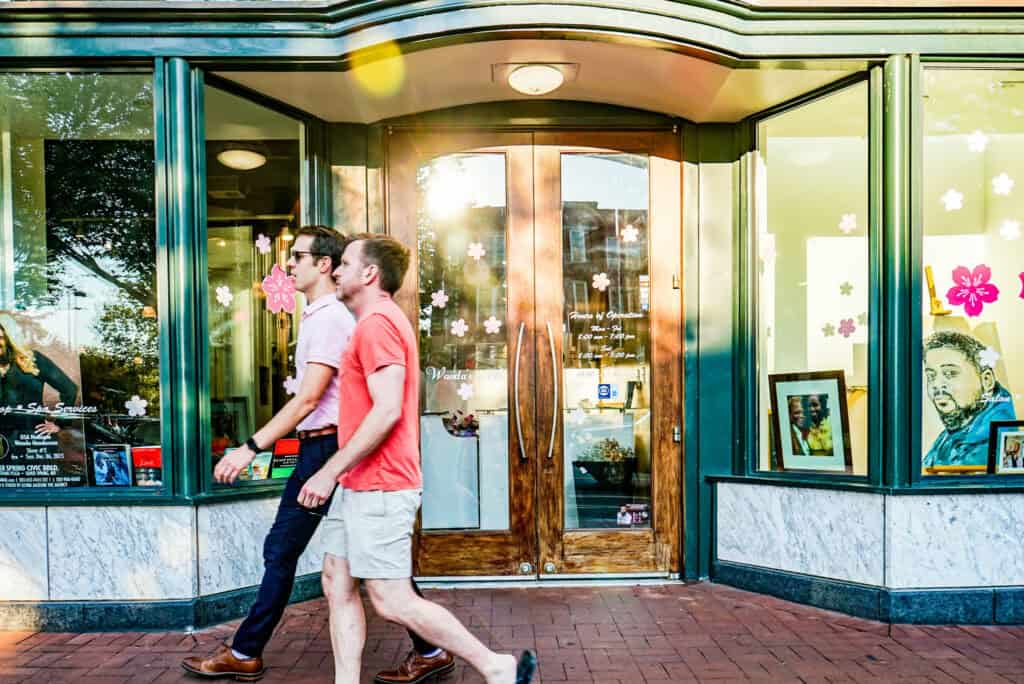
319 432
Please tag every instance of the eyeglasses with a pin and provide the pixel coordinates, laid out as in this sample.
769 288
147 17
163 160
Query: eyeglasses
297 254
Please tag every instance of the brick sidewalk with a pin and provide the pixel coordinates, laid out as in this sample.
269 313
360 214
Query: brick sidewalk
670 633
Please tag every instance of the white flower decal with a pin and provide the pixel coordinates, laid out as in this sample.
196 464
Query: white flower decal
953 200
476 250
262 243
291 385
1002 184
465 391
1010 230
136 405
439 299
224 295
848 223
988 357
630 233
459 328
578 416
977 141
425 324
601 281
492 325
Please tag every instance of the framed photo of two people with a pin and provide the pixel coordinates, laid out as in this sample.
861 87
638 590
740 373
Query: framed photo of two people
811 427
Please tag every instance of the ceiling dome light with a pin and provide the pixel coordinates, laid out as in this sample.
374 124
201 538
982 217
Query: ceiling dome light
242 157
535 79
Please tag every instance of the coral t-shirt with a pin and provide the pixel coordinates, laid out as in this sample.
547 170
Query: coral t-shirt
383 337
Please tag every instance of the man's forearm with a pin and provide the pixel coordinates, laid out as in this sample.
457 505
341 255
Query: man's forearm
374 429
284 421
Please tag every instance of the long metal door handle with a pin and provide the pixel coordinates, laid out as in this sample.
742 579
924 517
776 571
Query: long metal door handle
554 384
515 392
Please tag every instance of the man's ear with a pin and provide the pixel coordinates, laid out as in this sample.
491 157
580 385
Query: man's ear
988 380
370 273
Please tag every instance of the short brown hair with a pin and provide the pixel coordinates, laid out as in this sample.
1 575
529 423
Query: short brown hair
326 242
387 254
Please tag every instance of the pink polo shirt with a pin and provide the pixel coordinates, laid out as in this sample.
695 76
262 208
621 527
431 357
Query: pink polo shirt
324 333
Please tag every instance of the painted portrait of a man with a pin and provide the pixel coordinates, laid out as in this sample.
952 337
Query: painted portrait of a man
966 396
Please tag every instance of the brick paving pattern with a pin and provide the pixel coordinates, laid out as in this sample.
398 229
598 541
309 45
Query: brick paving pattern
604 635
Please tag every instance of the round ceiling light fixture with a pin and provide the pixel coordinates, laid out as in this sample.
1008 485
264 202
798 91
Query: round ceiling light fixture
536 79
242 156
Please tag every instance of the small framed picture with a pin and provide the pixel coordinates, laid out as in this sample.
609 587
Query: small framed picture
1006 447
111 465
811 426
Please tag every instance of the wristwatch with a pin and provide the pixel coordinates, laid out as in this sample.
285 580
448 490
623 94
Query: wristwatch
251 443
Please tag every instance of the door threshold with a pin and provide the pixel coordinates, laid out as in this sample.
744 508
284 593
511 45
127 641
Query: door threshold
628 579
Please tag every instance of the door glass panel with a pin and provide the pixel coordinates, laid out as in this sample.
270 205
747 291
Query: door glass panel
461 228
606 341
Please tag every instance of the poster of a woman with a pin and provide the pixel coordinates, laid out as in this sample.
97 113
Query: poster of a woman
40 450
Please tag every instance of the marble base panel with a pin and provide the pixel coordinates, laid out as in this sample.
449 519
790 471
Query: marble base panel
121 552
950 540
820 532
230 545
23 554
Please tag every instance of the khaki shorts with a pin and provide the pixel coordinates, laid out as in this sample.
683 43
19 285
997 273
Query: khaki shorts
373 531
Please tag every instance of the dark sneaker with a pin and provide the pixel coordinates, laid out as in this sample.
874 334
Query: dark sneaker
526 667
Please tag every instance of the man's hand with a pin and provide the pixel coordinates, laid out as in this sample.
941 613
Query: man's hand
47 427
317 489
230 466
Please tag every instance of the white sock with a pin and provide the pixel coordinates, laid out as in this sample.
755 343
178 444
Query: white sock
240 656
433 654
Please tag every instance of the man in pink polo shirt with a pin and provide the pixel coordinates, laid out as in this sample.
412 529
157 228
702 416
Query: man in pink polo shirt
368 529
324 333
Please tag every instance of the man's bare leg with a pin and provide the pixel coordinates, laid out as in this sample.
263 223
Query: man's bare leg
394 600
348 621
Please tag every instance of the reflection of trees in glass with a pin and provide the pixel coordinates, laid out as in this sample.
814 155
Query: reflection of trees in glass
103 220
83 181
125 362
82 141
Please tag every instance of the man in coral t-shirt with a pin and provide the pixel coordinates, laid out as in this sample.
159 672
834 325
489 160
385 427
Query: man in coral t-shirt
367 533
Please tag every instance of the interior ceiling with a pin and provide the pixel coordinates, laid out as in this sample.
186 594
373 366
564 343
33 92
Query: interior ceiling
628 76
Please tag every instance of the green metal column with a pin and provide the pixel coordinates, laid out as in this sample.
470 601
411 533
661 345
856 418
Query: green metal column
316 174
180 142
897 277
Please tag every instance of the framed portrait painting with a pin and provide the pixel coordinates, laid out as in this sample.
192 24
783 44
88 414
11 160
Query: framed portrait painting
810 423
1006 447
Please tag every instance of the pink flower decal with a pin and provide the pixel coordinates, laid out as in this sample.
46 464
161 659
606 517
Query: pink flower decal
280 290
847 327
972 289
1022 285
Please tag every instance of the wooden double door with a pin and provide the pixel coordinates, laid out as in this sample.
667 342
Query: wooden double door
544 283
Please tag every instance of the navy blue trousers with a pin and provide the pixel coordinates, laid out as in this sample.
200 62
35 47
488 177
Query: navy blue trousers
288 538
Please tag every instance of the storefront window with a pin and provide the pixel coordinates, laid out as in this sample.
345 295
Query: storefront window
973 259
253 158
79 349
811 218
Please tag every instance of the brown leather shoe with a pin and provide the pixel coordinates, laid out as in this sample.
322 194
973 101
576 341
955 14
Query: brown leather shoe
417 668
224 664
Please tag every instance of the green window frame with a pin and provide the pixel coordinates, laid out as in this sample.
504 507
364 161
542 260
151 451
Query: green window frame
171 453
746 388
910 475
314 189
